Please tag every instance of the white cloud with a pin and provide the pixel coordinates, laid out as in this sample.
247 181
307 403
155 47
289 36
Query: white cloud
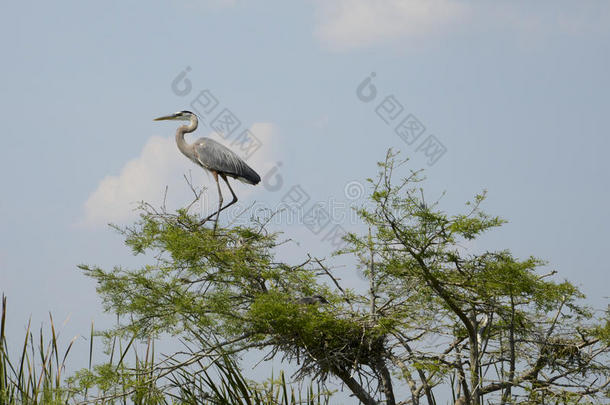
161 164
345 24
349 24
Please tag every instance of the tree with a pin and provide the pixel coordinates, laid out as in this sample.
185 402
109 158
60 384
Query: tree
485 327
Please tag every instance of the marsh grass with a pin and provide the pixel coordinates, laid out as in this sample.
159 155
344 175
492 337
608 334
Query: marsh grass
36 376
231 387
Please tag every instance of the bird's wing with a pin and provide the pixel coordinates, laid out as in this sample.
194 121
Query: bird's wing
217 157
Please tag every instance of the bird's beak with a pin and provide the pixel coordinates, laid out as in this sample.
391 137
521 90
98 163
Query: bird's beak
166 117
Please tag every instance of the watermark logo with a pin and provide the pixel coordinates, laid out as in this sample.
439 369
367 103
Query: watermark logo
405 125
366 91
410 129
181 86
204 104
432 148
247 143
225 123
354 190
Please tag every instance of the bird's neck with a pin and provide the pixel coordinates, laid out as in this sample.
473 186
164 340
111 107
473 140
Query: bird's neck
181 131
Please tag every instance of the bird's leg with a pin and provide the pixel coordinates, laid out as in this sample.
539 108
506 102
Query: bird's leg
219 202
224 177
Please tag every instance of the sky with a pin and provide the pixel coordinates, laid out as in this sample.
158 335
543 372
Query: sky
507 96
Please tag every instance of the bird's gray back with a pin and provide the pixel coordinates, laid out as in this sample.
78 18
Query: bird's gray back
217 157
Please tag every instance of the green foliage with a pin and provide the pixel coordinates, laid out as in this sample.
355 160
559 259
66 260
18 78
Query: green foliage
503 309
491 325
166 297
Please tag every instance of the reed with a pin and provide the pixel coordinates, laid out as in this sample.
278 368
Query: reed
36 377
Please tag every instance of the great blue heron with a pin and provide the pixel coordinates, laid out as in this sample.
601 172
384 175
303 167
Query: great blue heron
213 157
314 299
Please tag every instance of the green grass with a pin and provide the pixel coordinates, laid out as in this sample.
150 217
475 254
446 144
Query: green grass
36 376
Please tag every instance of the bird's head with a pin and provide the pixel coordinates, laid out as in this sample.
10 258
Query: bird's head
320 299
179 116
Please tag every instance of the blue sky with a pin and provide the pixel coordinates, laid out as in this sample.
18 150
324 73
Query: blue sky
516 92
